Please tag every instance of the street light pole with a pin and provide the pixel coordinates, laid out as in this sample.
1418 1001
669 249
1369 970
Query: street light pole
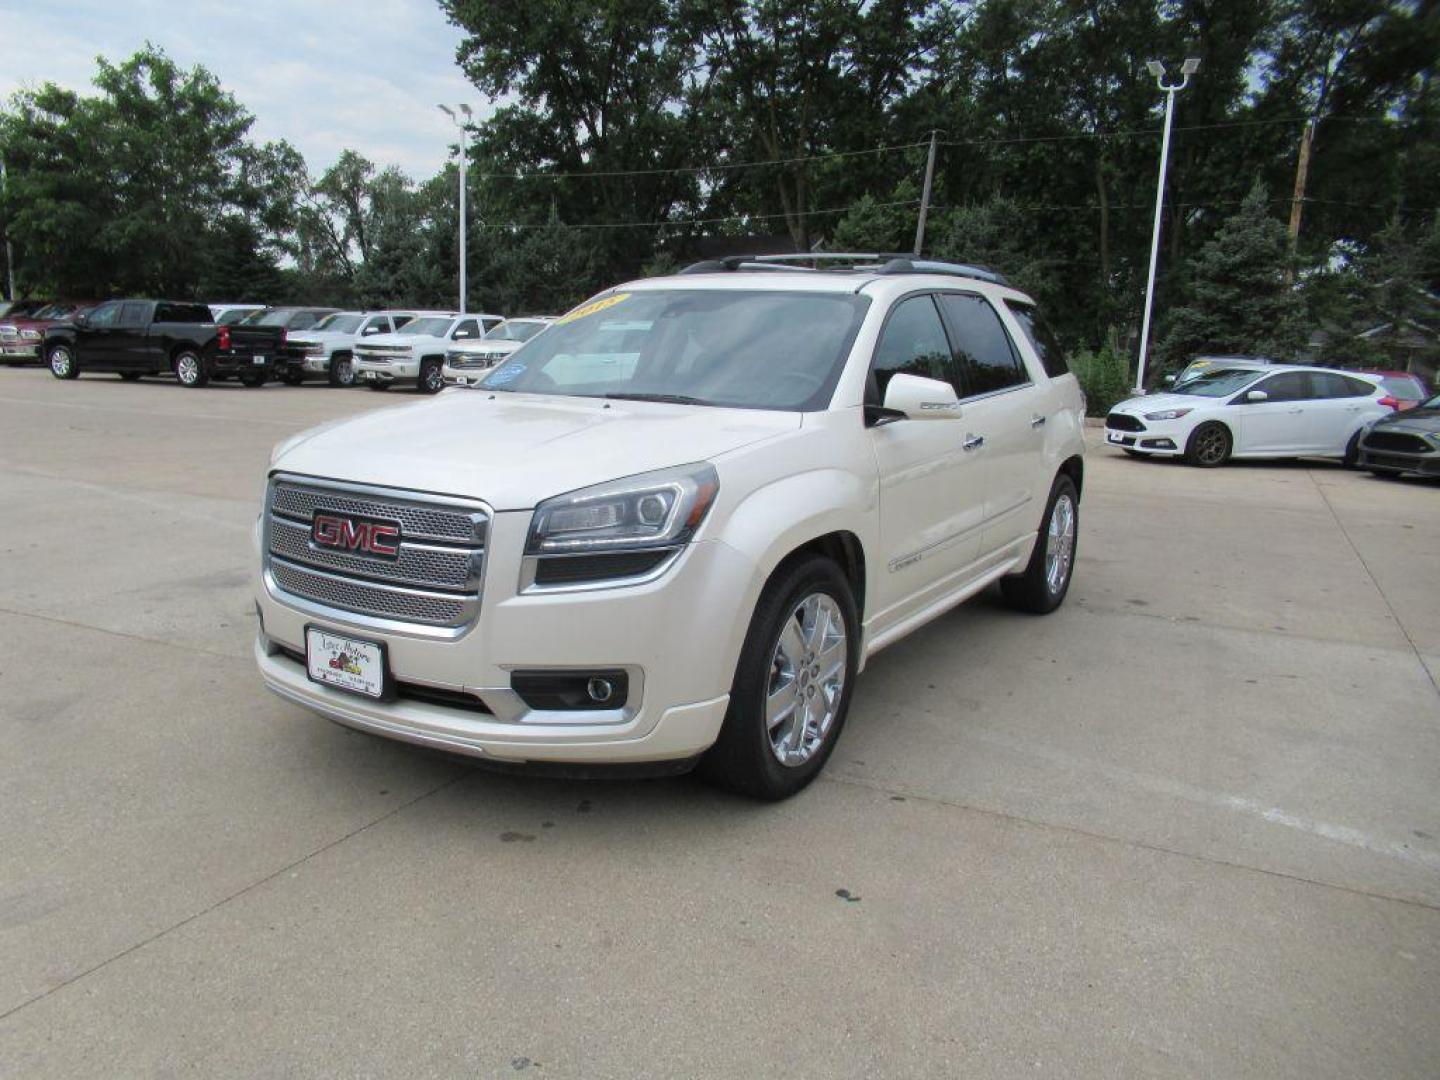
463 125
1157 69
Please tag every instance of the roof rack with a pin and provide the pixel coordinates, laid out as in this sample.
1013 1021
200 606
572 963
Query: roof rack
848 262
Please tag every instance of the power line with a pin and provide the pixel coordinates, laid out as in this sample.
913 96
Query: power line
684 222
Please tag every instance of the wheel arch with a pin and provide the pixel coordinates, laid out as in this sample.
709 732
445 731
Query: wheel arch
1074 468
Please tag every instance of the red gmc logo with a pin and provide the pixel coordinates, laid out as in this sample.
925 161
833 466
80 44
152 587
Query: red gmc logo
365 536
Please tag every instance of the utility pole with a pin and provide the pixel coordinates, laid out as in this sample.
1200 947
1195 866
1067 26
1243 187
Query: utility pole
1297 201
463 125
1157 69
9 251
925 196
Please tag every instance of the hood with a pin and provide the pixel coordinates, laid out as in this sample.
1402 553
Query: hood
1415 420
486 346
513 450
1139 406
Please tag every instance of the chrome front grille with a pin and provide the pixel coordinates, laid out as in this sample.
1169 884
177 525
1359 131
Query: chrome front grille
433 581
9 334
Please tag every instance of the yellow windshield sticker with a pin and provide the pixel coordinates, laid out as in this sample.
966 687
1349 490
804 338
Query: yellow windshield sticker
592 307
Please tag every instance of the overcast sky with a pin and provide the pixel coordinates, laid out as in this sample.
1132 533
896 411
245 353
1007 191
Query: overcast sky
325 74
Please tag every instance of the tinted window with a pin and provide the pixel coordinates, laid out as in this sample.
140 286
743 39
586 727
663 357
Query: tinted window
133 314
914 343
1330 384
182 313
105 315
982 347
400 320
302 320
1042 338
467 329
750 350
1287 386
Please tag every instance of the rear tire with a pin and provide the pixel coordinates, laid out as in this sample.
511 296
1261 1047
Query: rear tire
190 368
63 364
1209 445
1046 580
342 370
432 379
792 685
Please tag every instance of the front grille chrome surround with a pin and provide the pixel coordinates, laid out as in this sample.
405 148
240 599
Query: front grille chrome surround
432 587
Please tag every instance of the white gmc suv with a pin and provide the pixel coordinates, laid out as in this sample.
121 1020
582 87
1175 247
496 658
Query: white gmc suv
672 527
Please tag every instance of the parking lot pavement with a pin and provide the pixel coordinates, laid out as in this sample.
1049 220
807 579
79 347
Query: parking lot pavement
1187 826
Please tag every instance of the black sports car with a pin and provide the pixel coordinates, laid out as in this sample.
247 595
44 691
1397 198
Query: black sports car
1408 442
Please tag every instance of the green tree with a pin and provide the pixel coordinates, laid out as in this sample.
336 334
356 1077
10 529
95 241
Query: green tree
1239 300
144 187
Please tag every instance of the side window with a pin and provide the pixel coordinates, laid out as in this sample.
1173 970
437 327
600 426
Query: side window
1330 384
1042 338
1287 386
914 343
167 313
467 329
489 324
104 316
378 325
982 348
401 320
133 315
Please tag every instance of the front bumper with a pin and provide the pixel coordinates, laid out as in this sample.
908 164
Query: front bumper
466 376
679 636
13 351
1164 438
1426 464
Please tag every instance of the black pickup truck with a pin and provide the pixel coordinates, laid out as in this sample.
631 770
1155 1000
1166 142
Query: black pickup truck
135 338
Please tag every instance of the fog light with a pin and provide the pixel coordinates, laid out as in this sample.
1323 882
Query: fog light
606 688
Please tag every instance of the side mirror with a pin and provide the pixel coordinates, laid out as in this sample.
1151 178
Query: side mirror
1169 380
82 320
922 399
1257 396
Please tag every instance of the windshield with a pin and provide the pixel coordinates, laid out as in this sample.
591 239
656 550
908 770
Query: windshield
514 331
278 317
234 316
426 327
751 350
1216 382
340 324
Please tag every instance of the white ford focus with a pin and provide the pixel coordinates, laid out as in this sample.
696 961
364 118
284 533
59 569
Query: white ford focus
1275 411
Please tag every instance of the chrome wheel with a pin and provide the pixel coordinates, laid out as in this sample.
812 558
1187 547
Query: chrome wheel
807 679
344 372
433 379
187 369
60 362
1060 544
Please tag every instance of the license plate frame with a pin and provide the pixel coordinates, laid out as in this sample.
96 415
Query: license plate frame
371 680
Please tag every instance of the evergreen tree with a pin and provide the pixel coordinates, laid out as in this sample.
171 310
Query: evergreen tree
1239 301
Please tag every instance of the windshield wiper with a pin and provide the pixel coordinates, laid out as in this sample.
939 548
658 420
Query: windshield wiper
668 399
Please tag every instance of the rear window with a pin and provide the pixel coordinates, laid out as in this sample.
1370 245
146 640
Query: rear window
1042 339
1403 387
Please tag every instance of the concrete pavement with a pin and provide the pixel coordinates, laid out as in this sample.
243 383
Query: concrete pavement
1187 826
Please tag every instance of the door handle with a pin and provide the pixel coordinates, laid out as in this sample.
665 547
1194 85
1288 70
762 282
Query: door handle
1037 420
972 442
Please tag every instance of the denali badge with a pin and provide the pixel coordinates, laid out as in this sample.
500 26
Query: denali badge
364 536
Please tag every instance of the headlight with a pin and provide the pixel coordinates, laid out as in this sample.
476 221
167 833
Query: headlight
653 510
33 335
1167 414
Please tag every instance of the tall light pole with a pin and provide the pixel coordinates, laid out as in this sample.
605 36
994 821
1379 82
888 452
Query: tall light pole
1191 65
463 125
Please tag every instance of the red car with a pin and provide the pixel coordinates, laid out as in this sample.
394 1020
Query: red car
1402 390
21 338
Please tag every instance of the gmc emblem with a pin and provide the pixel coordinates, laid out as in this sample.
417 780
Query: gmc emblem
364 536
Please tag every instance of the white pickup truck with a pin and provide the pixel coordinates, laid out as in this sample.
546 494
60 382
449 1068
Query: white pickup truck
415 353
327 349
671 529
467 362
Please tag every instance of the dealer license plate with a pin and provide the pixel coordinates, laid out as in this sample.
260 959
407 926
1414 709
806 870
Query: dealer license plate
356 666
1116 437
258 360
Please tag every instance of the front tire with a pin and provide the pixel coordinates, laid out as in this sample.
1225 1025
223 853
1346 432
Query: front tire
1209 445
62 362
792 685
342 370
432 378
1042 587
190 369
